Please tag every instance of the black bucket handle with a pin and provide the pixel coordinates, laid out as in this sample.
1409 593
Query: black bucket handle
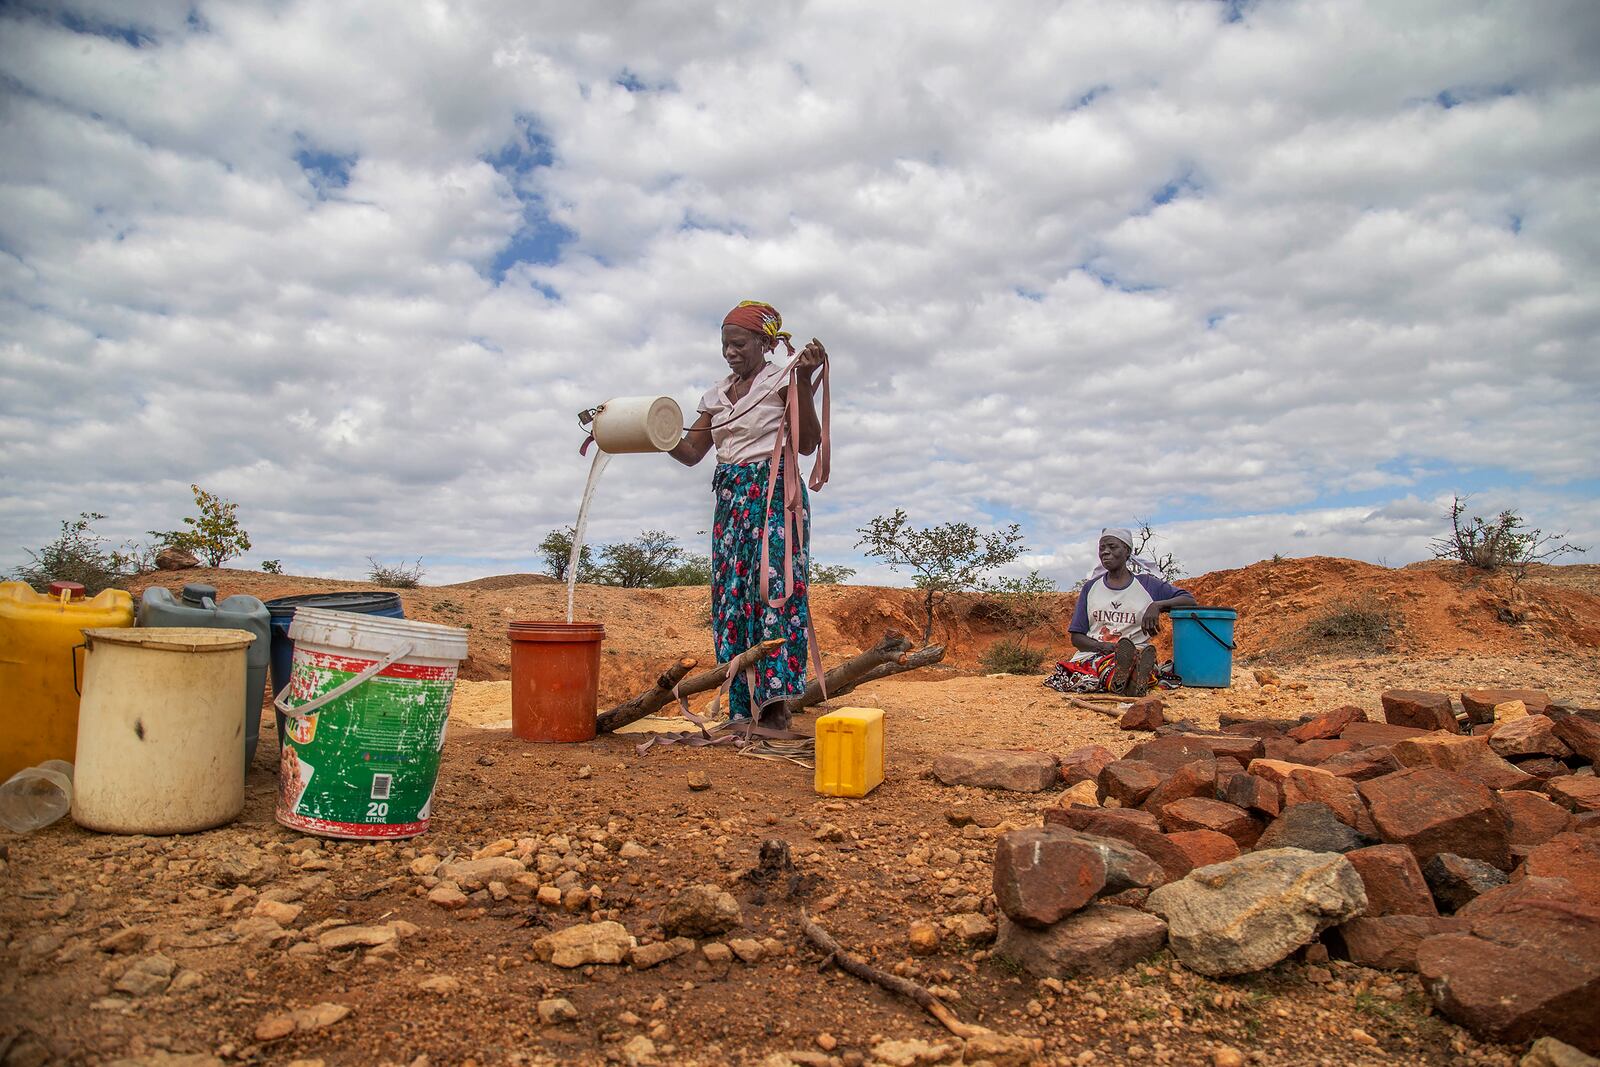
1208 630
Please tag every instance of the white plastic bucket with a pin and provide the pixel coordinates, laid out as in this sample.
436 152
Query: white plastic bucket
160 738
637 424
366 708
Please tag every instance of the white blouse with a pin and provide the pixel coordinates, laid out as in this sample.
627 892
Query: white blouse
757 417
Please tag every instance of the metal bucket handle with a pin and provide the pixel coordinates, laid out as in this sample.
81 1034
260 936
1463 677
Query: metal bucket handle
303 711
77 687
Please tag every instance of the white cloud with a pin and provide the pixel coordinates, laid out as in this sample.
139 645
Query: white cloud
1076 262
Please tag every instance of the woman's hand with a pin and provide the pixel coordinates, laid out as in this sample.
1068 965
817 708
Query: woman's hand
1151 622
812 356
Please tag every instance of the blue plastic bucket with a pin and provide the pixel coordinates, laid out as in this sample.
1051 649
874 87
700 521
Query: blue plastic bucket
283 609
1202 646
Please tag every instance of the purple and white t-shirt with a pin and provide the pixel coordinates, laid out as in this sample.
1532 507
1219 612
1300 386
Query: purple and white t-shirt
1107 614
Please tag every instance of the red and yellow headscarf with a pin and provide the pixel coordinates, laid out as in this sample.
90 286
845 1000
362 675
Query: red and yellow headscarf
762 318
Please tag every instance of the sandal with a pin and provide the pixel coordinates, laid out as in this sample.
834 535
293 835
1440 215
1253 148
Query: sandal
1122 671
1143 670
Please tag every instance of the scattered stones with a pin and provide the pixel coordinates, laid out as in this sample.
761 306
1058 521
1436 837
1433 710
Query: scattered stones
1531 819
1001 1050
1312 827
698 782
1528 966
1312 785
1387 942
1480 704
478 873
440 984
1137 828
971 926
1085 793
1433 811
1129 782
1378 733
1205 847
279 912
301 1020
176 559
1362 764
1457 881
1249 913
1198 813
1419 709
1146 713
1531 735
1043 875
448 896
923 937
341 937
1085 764
747 949
1254 794
556 1010
1573 856
1581 735
1100 940
1017 771
1578 794
147 975
911 1052
701 911
1548 1052
1197 779
1393 881
643 957
1327 725
716 952
603 942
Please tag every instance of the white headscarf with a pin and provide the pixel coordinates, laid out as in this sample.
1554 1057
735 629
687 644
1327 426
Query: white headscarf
1136 564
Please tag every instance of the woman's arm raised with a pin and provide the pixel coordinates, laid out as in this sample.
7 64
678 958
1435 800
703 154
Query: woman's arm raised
695 443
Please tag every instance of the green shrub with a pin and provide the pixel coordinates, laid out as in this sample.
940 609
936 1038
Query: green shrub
79 555
214 535
830 573
1366 624
1010 656
272 566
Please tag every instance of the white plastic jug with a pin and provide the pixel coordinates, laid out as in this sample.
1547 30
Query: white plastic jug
159 730
637 424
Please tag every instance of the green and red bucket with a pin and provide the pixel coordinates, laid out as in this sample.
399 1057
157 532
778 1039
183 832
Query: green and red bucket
366 708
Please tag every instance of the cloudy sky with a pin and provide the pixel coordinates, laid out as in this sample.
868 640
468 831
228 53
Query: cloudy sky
1279 277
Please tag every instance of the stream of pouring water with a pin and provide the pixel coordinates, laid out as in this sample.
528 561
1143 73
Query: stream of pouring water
600 461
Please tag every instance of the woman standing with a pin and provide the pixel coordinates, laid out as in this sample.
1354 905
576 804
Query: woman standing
744 417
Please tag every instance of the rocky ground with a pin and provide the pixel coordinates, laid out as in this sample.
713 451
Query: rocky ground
255 944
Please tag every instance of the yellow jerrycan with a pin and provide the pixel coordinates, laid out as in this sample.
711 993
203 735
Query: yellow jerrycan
41 662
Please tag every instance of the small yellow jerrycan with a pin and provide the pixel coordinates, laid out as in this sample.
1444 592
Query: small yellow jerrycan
849 752
41 665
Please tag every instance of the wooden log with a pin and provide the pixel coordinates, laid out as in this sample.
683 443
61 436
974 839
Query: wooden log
648 702
893 648
656 697
858 967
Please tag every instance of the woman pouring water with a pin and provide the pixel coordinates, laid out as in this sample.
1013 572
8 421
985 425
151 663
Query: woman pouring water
760 418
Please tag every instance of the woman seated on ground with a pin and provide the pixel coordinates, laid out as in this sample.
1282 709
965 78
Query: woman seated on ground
1119 611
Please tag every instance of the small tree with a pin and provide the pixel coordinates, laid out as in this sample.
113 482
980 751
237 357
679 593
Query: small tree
272 566
642 563
214 535
78 554
557 551
945 559
830 573
1167 565
695 569
1504 541
396 576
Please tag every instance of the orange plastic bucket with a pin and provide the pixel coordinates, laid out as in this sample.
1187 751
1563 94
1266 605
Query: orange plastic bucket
555 679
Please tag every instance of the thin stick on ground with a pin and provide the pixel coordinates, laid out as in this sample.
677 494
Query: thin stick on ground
1114 712
893 983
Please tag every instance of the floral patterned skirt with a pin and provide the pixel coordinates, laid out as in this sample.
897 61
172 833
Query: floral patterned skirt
740 615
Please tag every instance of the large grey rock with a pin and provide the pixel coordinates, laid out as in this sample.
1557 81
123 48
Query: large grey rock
1098 941
701 911
1249 913
1020 772
1043 874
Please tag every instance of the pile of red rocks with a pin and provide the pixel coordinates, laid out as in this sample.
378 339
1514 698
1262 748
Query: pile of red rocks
1464 846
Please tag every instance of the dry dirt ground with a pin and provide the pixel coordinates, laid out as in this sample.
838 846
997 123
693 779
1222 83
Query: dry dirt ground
77 909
